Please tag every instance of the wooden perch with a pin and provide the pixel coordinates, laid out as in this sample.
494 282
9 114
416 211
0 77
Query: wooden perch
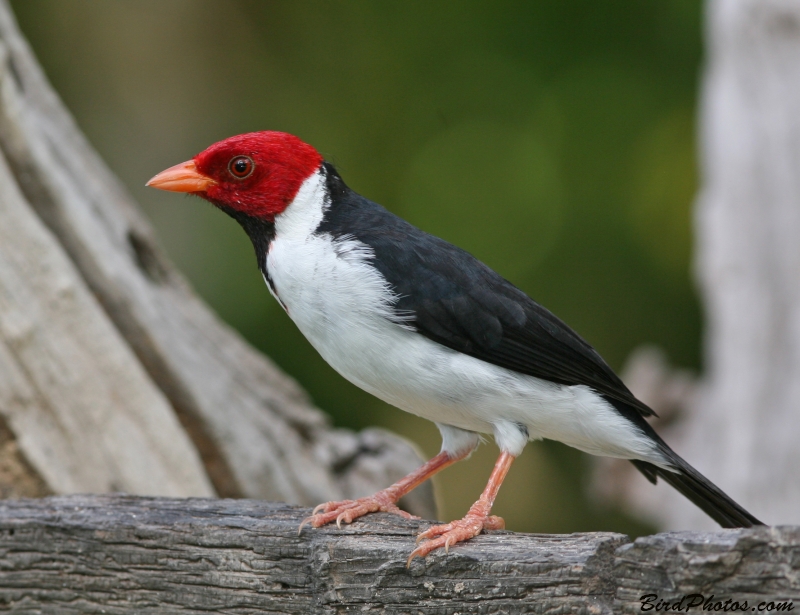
126 555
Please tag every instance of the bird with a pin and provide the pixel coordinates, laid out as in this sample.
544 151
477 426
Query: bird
425 326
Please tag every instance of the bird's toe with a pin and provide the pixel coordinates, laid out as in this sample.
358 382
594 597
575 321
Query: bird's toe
449 534
347 511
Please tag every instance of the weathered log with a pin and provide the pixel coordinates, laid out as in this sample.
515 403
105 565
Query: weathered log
256 431
125 555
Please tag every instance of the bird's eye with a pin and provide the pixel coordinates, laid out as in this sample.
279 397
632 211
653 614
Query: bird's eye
241 166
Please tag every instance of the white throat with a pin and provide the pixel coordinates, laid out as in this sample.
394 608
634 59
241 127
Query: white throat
304 213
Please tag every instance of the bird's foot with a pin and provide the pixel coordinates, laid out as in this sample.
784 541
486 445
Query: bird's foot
348 511
451 533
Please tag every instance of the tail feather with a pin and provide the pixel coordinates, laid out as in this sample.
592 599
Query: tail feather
699 490
688 481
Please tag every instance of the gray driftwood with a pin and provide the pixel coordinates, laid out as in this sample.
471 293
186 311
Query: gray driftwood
160 348
133 555
85 412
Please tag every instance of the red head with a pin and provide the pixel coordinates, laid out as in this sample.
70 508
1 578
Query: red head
258 173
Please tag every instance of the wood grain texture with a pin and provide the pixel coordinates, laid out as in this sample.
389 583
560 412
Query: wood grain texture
255 429
126 555
18 478
754 565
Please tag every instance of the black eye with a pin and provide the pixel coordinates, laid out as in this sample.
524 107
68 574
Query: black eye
241 166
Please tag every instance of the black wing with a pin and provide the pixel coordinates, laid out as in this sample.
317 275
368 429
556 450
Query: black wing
454 299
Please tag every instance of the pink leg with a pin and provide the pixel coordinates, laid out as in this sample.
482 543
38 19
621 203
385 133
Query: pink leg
385 500
476 520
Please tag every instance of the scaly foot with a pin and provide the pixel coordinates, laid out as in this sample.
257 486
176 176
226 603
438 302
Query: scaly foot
348 511
451 533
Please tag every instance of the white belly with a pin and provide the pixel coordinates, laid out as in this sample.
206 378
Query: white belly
341 304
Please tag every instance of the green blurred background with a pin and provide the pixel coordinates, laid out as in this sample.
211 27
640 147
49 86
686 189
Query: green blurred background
553 139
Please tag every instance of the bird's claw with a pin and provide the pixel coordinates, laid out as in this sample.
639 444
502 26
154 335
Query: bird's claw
450 534
348 511
302 523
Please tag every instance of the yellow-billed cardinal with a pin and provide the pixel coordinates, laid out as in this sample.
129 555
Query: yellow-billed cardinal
425 326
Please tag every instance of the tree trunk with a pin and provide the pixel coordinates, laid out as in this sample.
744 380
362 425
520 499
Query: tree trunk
124 555
103 344
745 427
741 427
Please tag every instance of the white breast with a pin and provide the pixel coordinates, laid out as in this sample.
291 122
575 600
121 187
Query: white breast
343 306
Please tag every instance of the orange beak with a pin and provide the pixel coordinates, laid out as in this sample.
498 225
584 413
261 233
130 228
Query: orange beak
183 177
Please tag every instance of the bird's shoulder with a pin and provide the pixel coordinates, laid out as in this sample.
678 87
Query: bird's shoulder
452 298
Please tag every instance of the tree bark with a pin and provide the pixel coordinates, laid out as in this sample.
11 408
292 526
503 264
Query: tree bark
125 555
255 430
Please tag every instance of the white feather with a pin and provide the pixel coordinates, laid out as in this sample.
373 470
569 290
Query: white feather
344 307
456 441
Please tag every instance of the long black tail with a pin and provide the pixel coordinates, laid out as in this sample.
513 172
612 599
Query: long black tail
701 491
705 494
